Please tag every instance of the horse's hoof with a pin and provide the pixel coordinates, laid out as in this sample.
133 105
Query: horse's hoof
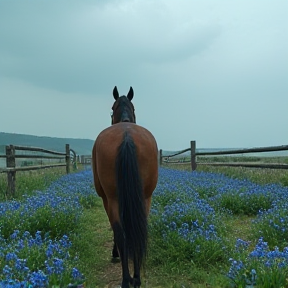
135 282
115 253
115 260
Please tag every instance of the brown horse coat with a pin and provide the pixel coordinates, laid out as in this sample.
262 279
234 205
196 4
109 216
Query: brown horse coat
105 151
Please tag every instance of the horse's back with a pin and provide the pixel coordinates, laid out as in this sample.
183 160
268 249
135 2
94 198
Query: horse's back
105 152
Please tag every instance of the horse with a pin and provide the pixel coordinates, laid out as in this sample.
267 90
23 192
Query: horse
125 170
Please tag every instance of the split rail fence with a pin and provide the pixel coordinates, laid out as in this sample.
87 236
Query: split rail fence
194 154
43 154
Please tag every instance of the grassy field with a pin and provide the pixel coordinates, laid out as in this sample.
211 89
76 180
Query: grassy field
231 159
215 227
274 159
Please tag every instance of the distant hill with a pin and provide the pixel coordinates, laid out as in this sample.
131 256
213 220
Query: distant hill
80 146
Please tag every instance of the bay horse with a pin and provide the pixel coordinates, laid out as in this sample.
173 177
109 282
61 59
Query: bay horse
125 169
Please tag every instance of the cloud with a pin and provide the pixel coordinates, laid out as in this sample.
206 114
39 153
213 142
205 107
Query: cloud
80 48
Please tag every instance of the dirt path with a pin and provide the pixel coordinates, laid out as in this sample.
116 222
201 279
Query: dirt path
106 272
112 272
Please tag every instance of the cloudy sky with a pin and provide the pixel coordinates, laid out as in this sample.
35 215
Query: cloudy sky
211 71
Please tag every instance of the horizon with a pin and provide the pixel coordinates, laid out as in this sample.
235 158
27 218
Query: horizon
164 150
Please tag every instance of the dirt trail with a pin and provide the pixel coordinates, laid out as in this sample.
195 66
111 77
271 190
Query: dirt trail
109 273
112 273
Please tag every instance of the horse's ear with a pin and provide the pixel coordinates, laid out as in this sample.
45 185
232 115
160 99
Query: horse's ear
115 93
130 94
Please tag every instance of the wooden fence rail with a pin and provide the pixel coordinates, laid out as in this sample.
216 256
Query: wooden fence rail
194 154
12 168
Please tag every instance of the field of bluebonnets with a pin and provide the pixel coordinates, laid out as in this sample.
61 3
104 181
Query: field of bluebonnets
207 229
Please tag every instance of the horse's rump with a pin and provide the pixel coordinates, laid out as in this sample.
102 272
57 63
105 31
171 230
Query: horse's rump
105 151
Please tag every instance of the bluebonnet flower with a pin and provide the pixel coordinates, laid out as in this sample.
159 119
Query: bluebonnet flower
58 265
20 245
241 245
64 241
10 256
235 268
261 249
26 235
49 269
38 238
20 264
50 250
38 279
76 274
262 258
7 271
15 234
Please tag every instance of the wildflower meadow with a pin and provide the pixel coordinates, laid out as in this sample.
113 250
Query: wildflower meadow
204 229
35 247
195 217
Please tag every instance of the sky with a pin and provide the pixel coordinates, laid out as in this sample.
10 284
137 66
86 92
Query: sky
211 71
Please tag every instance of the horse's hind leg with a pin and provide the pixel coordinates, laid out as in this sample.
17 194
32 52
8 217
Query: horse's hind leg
101 193
115 253
136 282
120 242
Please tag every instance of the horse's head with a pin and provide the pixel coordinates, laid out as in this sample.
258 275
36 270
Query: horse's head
123 109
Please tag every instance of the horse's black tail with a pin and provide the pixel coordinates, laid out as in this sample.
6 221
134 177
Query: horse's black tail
132 212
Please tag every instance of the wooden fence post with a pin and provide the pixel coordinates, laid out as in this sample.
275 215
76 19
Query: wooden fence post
67 158
193 155
11 163
160 157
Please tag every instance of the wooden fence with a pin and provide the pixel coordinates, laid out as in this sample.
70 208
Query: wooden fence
194 154
84 159
12 168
